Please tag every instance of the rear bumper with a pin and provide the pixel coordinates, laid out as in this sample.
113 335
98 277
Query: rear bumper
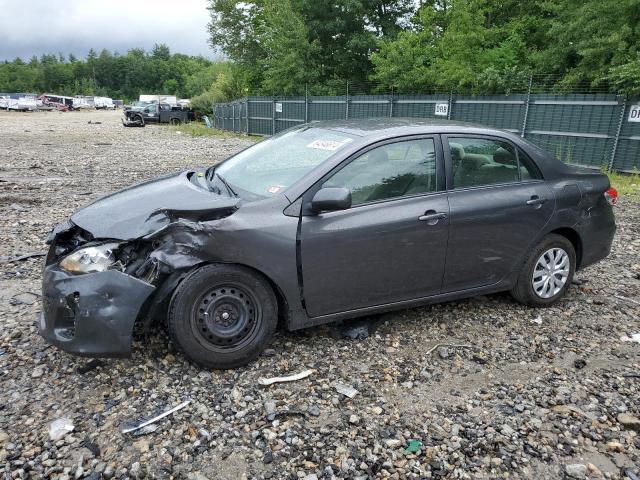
597 232
91 314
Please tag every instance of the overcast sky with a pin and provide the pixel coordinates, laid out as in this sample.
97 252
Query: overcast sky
34 27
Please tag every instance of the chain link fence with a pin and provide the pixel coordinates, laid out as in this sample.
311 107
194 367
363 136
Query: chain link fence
594 129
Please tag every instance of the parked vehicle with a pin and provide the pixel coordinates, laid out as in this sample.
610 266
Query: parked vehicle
156 113
19 102
103 103
60 102
323 222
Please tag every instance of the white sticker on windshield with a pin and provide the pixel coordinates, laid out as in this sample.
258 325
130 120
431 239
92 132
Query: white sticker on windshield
328 144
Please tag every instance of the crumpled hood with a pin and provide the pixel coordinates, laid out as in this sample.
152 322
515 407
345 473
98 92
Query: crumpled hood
145 208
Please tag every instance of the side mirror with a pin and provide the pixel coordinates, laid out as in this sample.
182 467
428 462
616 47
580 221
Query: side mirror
330 199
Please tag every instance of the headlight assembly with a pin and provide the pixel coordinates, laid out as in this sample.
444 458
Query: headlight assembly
97 258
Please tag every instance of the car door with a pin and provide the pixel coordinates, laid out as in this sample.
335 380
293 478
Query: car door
498 205
390 245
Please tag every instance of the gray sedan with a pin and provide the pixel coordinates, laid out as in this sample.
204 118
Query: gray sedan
323 222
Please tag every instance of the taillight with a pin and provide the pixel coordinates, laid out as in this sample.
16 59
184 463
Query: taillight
612 196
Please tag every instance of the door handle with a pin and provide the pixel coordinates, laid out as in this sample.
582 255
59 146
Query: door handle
432 217
536 200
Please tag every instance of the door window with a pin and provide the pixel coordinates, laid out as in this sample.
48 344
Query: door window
389 171
482 161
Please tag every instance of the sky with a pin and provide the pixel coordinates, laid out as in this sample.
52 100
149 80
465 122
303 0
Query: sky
34 27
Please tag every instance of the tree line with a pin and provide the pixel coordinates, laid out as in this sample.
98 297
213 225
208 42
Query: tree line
472 46
118 76
288 47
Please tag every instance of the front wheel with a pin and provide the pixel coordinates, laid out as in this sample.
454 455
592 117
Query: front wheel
175 121
222 316
547 272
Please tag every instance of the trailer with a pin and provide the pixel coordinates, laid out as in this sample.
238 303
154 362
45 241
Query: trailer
103 103
23 102
60 102
166 99
83 103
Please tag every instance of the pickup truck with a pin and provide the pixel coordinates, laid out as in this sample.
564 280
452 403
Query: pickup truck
156 113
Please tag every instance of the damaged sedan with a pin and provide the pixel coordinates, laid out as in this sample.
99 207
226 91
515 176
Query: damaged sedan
323 222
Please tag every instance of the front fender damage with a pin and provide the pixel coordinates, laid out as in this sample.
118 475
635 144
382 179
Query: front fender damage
96 313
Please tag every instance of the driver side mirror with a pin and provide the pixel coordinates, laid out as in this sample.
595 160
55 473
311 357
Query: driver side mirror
330 199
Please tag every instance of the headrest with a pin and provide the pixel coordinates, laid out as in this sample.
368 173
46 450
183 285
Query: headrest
504 156
457 151
474 160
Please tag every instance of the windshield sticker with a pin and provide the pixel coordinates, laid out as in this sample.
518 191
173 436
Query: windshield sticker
330 145
274 189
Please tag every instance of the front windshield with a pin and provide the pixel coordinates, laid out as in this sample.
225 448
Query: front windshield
274 164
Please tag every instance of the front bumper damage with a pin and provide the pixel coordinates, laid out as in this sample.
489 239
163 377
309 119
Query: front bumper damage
91 314
94 314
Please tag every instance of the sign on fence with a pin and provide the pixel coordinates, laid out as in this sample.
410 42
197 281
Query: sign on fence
278 107
442 109
634 113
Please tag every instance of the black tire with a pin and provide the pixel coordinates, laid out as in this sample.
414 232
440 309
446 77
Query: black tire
523 291
222 316
175 121
139 119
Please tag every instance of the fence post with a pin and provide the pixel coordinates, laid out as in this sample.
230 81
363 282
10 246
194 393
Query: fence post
391 103
306 104
526 107
273 116
346 103
233 117
617 137
246 115
450 105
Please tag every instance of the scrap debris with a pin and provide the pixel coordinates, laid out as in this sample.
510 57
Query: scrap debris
24 298
291 378
21 258
413 447
633 338
59 428
155 419
346 390
435 347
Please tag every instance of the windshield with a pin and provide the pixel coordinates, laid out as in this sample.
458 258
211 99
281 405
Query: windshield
271 166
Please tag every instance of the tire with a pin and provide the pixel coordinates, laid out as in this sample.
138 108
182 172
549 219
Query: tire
547 292
222 316
175 121
138 118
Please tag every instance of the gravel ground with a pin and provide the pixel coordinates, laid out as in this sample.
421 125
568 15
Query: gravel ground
550 393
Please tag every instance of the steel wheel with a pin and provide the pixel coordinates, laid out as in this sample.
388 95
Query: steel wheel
551 272
226 317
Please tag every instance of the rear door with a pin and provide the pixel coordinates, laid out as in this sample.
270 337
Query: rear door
498 204
390 245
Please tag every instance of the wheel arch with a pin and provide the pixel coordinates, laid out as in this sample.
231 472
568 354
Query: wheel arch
283 304
574 237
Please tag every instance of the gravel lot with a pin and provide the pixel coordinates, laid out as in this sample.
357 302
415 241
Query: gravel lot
548 393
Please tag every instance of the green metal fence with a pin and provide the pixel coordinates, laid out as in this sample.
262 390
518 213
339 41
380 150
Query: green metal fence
591 129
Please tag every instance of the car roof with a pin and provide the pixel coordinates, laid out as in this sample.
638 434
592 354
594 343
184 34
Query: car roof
390 127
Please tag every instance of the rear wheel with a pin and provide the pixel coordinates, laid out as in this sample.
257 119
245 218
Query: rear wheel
175 121
222 316
547 272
